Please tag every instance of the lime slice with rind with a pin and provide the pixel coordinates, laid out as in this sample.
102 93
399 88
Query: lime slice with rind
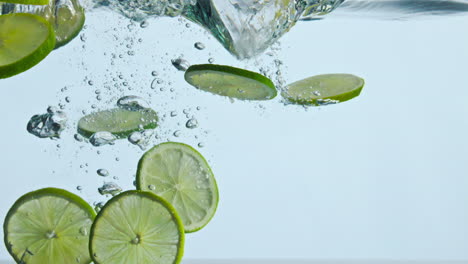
179 174
25 40
28 2
66 16
232 82
119 122
137 227
324 89
49 226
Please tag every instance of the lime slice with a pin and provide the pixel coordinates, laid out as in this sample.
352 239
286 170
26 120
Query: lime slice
181 175
137 227
27 2
49 226
119 122
25 40
231 82
324 89
68 21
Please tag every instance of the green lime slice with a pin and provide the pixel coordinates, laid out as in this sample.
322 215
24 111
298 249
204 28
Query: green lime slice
181 175
49 226
324 89
120 122
232 82
25 40
27 2
68 21
137 227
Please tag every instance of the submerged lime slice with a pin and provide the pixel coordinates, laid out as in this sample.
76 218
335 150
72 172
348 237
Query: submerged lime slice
119 122
232 82
28 2
25 40
181 175
324 89
69 18
137 227
49 226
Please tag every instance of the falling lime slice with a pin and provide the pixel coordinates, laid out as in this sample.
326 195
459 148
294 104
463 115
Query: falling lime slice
231 82
119 122
137 227
181 175
49 226
25 40
68 20
324 89
66 16
27 2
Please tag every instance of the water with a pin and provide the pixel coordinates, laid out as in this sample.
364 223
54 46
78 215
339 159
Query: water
379 177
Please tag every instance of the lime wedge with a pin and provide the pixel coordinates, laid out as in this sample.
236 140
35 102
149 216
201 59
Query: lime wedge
324 89
68 20
119 122
25 40
181 175
137 227
27 2
232 82
49 226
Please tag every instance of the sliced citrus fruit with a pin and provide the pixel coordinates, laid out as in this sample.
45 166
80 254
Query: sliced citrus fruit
232 82
49 226
137 227
27 2
181 175
69 18
25 40
119 122
324 89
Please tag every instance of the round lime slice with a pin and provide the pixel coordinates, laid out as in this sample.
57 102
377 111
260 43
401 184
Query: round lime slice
49 226
120 122
232 82
25 40
137 227
324 89
181 175
68 20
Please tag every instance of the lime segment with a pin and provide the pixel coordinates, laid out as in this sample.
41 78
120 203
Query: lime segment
324 89
137 227
232 82
119 122
49 226
181 175
25 40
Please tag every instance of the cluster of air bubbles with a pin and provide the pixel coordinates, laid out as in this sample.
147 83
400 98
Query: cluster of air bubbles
102 138
141 138
180 64
110 188
48 125
132 103
98 206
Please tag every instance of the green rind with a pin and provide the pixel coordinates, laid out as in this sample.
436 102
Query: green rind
235 71
316 101
139 187
33 58
40 193
123 134
59 44
180 226
27 2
